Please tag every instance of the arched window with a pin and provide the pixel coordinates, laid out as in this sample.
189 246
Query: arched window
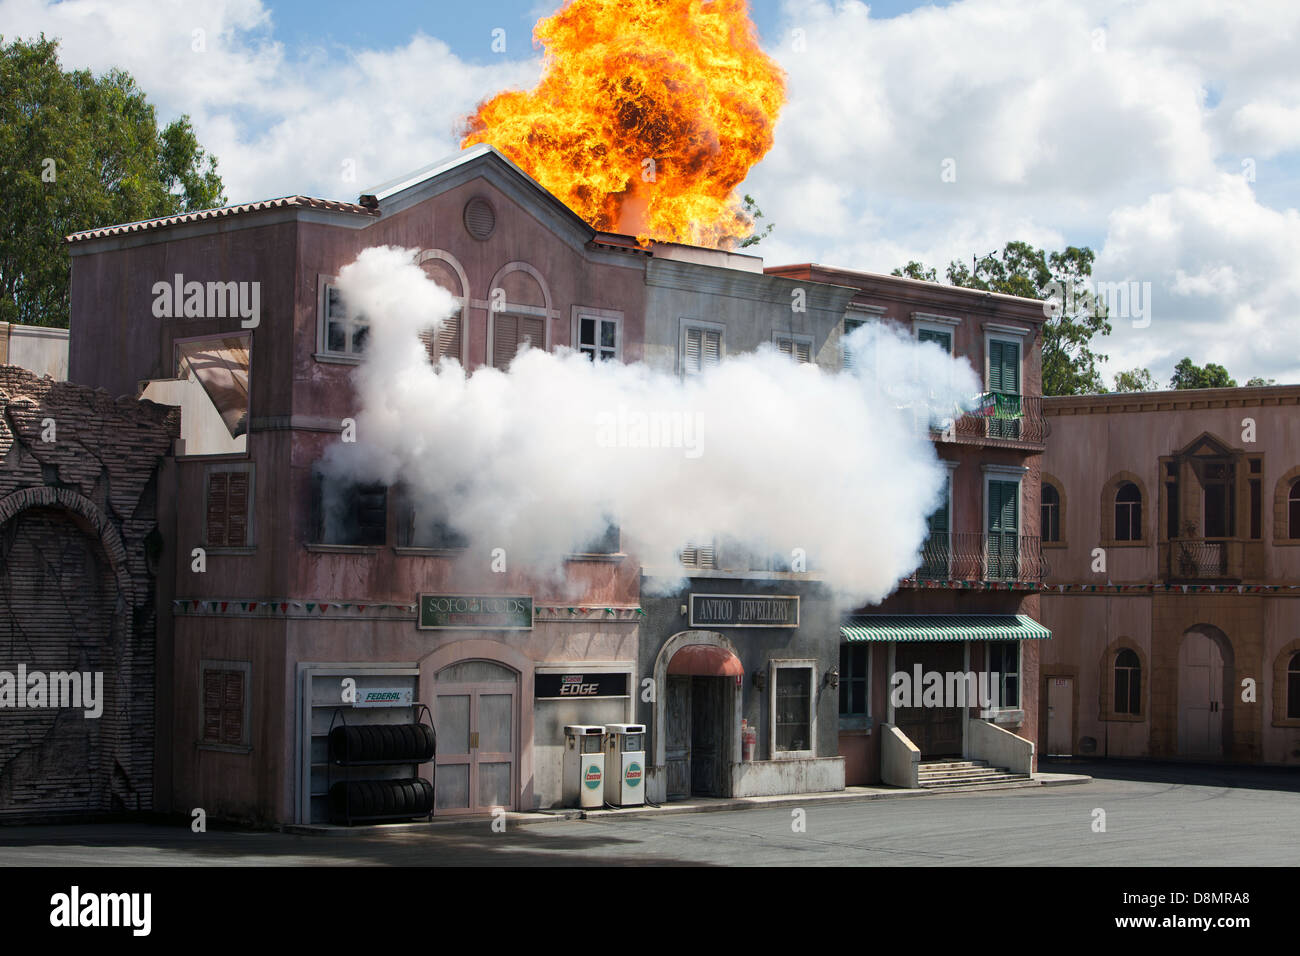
1128 683
1293 687
1051 513
1128 512
1293 510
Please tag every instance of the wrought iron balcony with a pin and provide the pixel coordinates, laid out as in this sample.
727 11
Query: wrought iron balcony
978 556
1001 419
1204 559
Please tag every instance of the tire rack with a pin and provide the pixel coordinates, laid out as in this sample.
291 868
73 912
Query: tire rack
420 711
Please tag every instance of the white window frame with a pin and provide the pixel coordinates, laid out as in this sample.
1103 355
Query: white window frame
795 339
600 315
245 745
1013 336
250 544
684 326
936 323
323 354
773 666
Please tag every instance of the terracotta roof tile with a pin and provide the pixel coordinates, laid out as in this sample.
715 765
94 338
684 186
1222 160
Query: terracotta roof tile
203 214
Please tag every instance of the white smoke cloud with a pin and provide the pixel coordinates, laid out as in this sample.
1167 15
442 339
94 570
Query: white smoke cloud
762 453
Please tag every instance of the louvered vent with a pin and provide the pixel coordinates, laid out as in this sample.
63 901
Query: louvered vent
480 218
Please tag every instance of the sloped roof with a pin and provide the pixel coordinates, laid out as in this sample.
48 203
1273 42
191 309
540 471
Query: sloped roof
223 212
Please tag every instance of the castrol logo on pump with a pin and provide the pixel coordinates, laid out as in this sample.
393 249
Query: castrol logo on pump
592 777
633 776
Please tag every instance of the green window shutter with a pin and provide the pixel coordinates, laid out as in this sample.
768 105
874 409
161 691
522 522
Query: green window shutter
995 366
942 339
1003 529
1011 368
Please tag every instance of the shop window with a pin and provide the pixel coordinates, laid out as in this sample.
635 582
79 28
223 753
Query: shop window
1128 683
1003 659
349 513
1128 512
224 704
227 517
340 333
1050 509
1293 688
792 708
855 663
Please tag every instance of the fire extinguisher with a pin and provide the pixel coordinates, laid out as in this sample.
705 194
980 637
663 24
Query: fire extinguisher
748 740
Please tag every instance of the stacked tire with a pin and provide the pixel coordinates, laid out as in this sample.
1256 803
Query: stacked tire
382 743
394 799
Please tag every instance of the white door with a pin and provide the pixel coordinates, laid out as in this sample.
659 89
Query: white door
1200 693
1060 716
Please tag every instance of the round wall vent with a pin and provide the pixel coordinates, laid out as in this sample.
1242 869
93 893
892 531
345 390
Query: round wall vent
480 218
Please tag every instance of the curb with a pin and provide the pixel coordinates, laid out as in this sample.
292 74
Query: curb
514 818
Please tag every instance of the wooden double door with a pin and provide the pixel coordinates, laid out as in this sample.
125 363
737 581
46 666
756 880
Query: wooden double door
935 730
695 736
476 759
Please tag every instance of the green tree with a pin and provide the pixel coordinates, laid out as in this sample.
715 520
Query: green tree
1187 375
1069 364
1259 380
915 270
755 214
80 151
1135 380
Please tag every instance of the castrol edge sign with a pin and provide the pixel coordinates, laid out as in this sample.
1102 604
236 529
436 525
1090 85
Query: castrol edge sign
489 612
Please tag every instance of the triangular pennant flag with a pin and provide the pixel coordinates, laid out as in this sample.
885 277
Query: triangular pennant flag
196 604
311 605
1184 588
224 605
252 605
284 607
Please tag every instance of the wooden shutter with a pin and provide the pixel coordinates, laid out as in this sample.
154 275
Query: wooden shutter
1004 367
942 339
218 503
505 339
449 337
803 352
232 707
1003 530
237 509
995 366
785 345
691 360
711 349
212 690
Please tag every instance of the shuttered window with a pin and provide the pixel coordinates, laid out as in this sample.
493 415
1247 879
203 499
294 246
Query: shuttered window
941 339
1003 529
935 551
509 333
801 350
224 706
1004 367
227 509
702 349
847 358
447 341
699 556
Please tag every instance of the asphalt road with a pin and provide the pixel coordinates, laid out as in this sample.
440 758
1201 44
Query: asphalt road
1154 816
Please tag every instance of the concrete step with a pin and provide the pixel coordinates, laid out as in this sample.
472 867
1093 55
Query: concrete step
1005 785
986 781
951 764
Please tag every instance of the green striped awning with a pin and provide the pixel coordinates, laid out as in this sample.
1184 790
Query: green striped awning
942 627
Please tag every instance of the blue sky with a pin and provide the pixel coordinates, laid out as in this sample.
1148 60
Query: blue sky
1166 136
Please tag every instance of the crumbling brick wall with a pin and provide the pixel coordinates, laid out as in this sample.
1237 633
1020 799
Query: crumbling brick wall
78 548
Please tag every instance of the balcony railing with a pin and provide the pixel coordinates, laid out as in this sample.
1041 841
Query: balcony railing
1204 559
976 556
1015 419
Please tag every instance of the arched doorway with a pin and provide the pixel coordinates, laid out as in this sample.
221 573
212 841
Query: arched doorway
64 621
1204 692
476 708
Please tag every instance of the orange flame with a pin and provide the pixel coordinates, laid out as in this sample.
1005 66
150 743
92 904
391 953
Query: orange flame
648 115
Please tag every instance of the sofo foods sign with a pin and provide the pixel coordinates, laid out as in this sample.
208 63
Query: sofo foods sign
492 612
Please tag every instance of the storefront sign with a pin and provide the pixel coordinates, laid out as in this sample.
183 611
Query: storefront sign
738 610
567 686
493 612
383 697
